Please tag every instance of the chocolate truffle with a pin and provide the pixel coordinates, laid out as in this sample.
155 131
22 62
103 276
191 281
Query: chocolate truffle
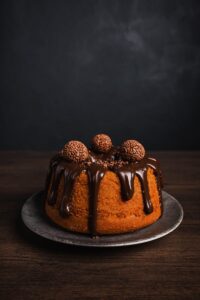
75 151
101 143
132 150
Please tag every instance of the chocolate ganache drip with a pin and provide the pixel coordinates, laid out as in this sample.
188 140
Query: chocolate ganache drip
95 167
95 174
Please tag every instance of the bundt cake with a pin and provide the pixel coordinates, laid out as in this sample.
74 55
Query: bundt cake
103 189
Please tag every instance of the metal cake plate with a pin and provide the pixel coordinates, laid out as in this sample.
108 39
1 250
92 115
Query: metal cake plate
34 218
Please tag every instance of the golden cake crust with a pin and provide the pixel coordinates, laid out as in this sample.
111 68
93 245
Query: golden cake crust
114 215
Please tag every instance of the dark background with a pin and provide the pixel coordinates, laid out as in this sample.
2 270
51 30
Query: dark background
71 69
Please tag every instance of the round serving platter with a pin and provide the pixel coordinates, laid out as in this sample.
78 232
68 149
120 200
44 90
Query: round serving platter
34 218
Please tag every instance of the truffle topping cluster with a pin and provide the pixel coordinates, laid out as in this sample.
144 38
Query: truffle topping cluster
103 151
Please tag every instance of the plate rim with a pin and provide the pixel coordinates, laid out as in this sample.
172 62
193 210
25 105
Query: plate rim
106 244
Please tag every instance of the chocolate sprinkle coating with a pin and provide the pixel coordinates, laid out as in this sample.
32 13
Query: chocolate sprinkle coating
132 150
75 151
101 143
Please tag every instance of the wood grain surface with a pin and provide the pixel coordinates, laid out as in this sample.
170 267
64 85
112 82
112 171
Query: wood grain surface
35 268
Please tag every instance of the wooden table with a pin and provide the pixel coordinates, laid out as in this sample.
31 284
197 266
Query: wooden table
34 268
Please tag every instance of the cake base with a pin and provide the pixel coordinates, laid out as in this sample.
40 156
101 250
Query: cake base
34 218
113 215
